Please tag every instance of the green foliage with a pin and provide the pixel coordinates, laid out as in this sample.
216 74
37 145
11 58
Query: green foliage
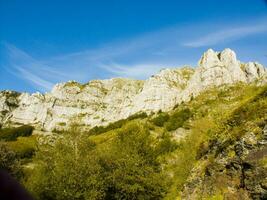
203 149
138 159
9 161
166 145
177 119
131 167
11 134
140 115
69 170
252 109
115 125
247 116
160 119
24 147
182 161
101 129
77 168
173 120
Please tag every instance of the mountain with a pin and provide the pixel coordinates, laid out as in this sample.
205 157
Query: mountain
100 102
185 133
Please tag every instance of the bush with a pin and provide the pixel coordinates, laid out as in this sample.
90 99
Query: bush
68 170
133 173
166 145
178 119
75 168
160 119
102 129
140 115
11 134
9 161
115 125
203 149
24 147
173 121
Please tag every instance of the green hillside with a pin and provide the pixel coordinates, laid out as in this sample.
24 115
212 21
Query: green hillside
213 147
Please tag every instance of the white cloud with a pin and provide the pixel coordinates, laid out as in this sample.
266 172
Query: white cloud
23 66
227 34
34 79
130 57
140 71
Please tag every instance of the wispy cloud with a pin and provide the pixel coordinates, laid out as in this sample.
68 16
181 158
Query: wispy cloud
227 34
127 58
36 80
80 66
138 57
37 73
141 71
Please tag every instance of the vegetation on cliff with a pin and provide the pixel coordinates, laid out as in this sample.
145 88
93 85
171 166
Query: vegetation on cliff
213 147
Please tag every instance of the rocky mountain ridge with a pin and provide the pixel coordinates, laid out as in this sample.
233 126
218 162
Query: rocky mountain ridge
100 102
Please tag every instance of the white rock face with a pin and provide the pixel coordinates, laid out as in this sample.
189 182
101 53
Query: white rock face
254 71
215 69
100 102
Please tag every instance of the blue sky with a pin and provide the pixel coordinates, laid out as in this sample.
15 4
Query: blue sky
51 41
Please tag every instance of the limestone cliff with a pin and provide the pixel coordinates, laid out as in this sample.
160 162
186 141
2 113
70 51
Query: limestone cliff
102 101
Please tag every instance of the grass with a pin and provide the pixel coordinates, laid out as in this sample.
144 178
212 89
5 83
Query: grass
11 134
208 118
220 114
212 112
115 125
173 120
24 147
20 140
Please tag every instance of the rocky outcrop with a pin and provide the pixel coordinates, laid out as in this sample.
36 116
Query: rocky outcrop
219 68
232 162
238 171
102 101
8 102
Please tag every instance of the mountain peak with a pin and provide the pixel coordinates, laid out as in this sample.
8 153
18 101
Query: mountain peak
100 102
212 58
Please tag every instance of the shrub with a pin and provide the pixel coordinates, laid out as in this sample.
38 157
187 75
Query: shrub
11 134
166 145
115 125
102 129
178 119
133 173
160 119
140 115
9 161
75 168
24 147
173 121
68 170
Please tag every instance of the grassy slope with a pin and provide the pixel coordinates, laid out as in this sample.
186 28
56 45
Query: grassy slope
233 120
209 118
210 112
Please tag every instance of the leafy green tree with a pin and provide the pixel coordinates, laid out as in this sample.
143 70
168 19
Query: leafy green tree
76 168
69 170
131 167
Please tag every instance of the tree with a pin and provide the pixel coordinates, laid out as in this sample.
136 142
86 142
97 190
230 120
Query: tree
76 168
69 170
131 168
